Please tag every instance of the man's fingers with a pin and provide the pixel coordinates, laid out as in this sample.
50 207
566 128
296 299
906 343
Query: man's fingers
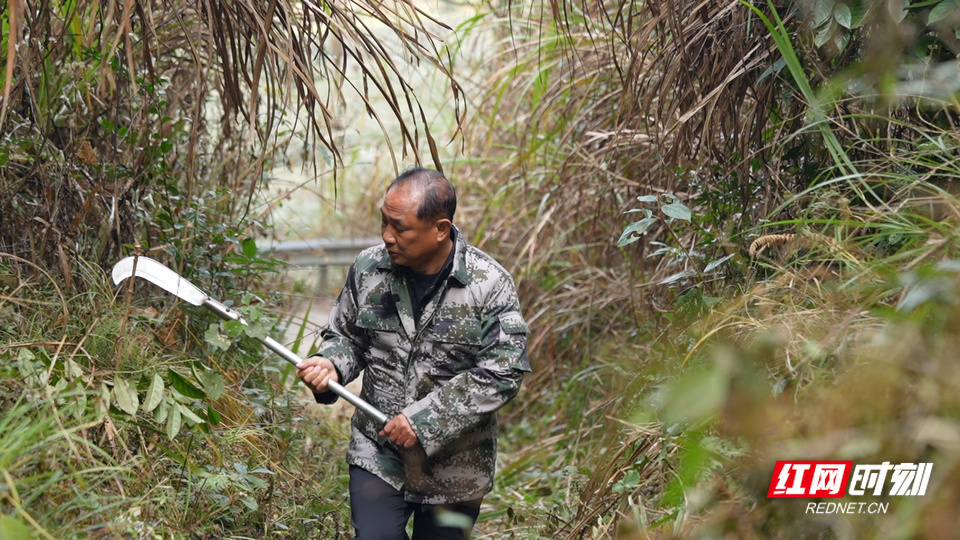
316 377
400 432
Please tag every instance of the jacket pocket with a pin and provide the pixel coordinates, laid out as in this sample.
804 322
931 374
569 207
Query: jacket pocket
456 344
383 332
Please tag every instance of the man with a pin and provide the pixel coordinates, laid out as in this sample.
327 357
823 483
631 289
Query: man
435 326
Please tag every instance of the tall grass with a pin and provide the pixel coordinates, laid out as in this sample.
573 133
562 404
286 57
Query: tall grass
670 374
88 446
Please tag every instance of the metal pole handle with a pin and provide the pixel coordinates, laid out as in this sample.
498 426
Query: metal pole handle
288 355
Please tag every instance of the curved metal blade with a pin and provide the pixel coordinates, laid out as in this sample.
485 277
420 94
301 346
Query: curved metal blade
159 275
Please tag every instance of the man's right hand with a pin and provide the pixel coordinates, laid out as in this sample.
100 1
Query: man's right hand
316 372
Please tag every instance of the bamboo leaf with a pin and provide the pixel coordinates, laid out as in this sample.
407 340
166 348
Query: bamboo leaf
713 265
154 394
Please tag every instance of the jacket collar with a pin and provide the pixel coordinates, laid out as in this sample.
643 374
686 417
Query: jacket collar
459 271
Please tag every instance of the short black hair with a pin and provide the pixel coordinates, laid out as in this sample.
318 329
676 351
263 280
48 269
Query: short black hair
439 197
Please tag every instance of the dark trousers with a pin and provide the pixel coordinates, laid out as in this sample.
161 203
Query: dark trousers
378 512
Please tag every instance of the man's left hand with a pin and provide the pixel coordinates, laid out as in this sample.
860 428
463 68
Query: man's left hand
400 431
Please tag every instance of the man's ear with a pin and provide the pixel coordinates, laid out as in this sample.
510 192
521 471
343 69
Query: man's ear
443 229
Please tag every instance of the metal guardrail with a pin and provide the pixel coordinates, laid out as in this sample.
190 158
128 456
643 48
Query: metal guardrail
322 253
318 252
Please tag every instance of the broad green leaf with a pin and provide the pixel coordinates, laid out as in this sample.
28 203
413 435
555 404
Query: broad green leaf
941 11
213 417
154 394
634 231
188 414
255 330
824 33
693 397
162 411
821 11
80 404
841 39
250 503
233 328
212 384
73 369
843 16
647 198
857 14
630 479
11 527
215 339
677 210
255 482
249 248
102 406
173 422
182 385
125 396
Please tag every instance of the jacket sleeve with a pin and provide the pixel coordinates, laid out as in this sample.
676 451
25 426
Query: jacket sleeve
343 341
472 395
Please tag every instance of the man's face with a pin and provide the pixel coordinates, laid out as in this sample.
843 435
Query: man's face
410 241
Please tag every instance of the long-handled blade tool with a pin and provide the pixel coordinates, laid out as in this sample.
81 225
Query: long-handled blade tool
170 281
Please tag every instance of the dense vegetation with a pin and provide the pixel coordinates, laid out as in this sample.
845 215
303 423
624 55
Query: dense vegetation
732 225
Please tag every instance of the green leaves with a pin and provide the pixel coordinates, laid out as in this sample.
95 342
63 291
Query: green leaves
669 205
212 384
170 409
676 210
11 527
843 16
629 481
174 421
942 11
249 248
635 230
215 339
182 385
154 394
125 396
249 325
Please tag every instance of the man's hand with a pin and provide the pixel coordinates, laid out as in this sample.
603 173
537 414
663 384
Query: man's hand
400 431
316 372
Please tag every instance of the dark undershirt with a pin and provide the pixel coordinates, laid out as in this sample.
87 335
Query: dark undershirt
422 287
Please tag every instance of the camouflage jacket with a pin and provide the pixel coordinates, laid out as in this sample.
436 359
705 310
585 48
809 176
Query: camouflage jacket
448 375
